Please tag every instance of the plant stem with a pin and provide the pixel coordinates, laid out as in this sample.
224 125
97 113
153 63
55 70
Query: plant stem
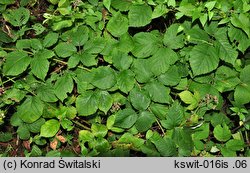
14 49
159 124
65 63
81 125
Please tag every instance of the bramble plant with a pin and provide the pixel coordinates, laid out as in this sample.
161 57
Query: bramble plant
125 78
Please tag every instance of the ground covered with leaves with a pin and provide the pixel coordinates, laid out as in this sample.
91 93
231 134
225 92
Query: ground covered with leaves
125 78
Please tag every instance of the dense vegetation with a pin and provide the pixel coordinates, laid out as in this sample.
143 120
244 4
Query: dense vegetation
125 78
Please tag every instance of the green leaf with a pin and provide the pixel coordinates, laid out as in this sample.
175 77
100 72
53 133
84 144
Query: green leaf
140 68
145 44
125 81
95 45
175 116
161 144
139 15
222 133
117 25
244 74
61 24
39 67
171 78
63 86
31 109
105 101
107 4
50 39
161 60
36 126
17 17
201 132
128 138
242 91
121 60
78 36
241 21
103 77
144 121
188 98
183 139
85 136
16 63
227 152
122 5
99 130
38 28
159 11
50 128
203 59
172 39
225 51
46 93
87 59
5 136
35 151
139 99
23 132
86 103
158 92
64 50
125 118
235 144
159 110
7 2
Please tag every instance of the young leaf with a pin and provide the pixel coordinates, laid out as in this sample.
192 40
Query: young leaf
87 103
222 133
50 128
99 130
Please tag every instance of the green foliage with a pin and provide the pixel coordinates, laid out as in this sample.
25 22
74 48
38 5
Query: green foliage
125 78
